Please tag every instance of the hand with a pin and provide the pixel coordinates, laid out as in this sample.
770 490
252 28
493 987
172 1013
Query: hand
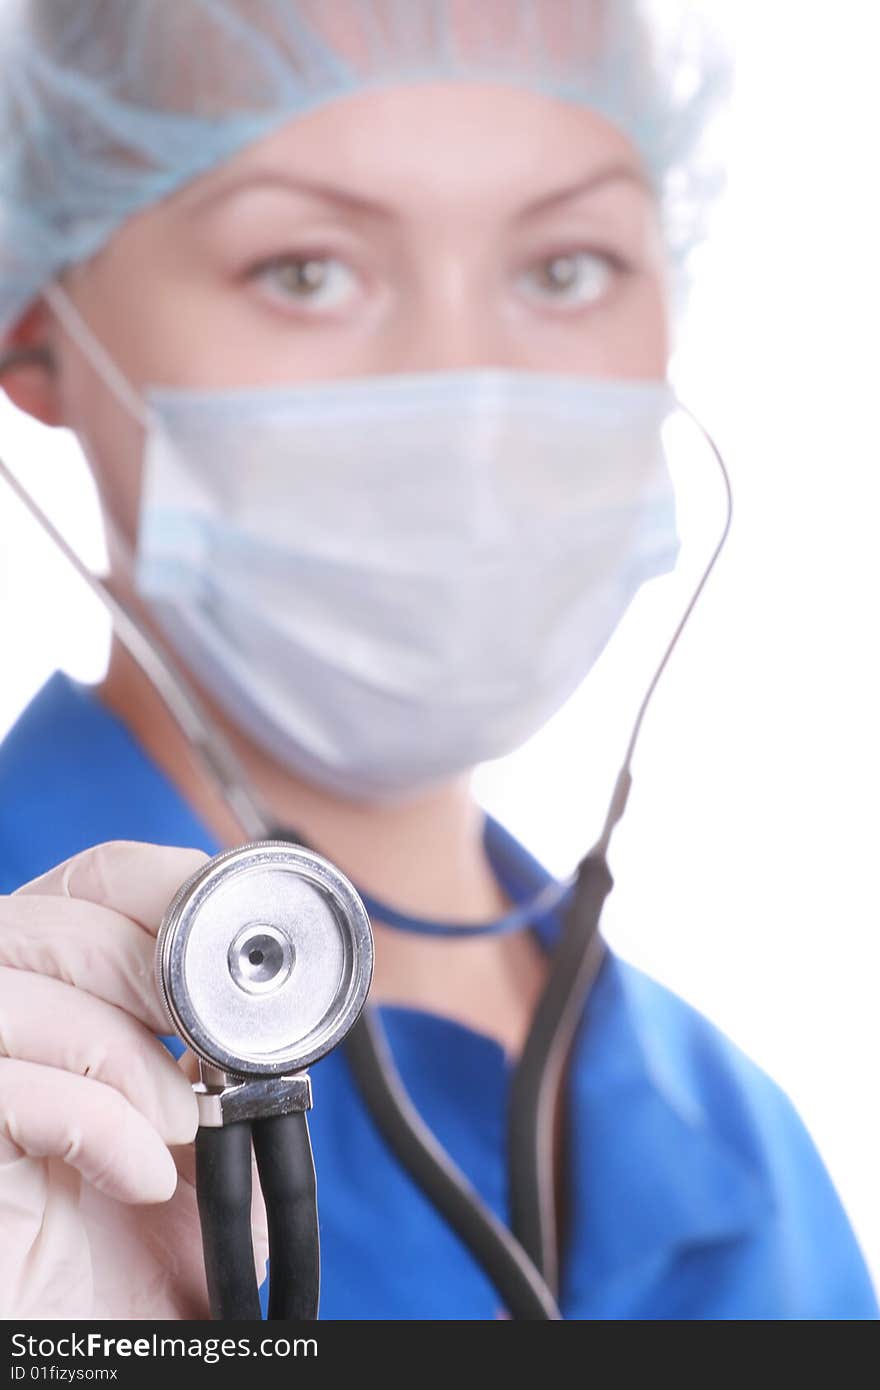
99 1216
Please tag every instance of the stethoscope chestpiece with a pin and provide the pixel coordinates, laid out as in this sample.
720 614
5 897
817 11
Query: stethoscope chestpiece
264 960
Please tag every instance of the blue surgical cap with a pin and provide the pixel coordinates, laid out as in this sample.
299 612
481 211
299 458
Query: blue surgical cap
107 106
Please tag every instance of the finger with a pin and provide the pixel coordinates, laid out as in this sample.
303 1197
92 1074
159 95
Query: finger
185 1158
91 947
54 1024
185 1155
189 1065
46 1113
136 880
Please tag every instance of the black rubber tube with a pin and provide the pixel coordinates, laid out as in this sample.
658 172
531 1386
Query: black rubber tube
535 1088
523 1292
287 1176
520 1286
223 1190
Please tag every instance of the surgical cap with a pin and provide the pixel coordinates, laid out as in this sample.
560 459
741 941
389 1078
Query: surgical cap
107 106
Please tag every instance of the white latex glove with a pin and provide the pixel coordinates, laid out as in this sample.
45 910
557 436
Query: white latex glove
98 1213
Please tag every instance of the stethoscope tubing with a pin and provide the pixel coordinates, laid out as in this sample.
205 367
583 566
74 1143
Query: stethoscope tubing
520 1286
522 1263
282 1148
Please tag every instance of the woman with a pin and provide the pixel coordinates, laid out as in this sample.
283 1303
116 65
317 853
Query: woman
261 258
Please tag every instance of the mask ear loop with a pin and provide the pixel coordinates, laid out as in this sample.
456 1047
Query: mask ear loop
210 746
535 1094
79 332
212 749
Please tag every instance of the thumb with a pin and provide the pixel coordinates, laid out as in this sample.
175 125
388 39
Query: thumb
136 880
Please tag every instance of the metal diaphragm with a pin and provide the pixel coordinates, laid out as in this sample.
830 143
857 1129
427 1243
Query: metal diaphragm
264 959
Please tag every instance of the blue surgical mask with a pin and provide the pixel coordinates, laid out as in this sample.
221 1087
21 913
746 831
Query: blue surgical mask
387 580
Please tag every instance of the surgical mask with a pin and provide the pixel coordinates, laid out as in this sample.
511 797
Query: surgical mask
387 580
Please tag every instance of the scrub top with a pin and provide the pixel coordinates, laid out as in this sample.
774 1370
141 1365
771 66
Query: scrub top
695 1190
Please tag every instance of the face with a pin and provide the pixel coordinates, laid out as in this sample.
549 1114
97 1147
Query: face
410 229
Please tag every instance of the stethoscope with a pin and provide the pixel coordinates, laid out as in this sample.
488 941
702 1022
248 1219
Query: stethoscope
264 961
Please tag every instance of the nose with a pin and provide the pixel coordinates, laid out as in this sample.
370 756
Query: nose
451 319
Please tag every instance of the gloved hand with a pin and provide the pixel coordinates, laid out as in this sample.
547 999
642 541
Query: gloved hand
97 1194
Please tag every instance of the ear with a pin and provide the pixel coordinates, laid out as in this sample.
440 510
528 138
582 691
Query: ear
27 368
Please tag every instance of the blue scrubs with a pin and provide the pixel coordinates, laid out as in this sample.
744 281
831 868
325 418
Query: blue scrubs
696 1191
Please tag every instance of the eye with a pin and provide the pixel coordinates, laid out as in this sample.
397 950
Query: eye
573 278
313 282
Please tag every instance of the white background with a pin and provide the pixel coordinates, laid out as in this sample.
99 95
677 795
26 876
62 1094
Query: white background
746 866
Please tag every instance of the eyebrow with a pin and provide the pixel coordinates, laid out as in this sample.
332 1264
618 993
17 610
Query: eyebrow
354 202
591 184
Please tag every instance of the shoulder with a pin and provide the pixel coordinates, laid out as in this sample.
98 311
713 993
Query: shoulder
710 1081
44 764
699 1069
71 776
722 1125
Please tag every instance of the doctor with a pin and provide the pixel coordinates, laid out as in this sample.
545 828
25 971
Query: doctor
333 298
